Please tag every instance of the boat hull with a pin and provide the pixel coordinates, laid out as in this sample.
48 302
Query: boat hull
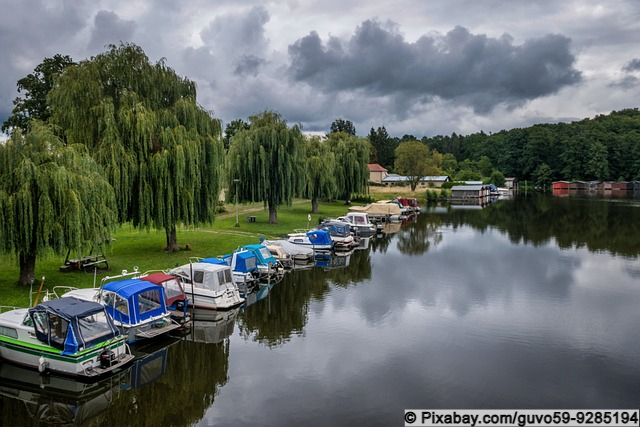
86 364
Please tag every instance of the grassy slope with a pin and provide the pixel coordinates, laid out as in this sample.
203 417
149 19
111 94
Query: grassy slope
145 249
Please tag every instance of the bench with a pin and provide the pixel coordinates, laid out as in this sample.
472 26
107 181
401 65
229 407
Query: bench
251 218
84 263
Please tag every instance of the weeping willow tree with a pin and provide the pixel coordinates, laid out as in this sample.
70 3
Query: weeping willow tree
320 179
266 159
161 151
352 156
53 197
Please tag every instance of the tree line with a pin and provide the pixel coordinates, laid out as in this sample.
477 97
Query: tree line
604 148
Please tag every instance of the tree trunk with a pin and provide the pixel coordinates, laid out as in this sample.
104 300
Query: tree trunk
172 240
314 205
273 215
27 269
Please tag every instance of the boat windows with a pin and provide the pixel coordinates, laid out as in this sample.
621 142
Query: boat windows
250 263
94 327
224 276
8 332
58 327
198 276
147 300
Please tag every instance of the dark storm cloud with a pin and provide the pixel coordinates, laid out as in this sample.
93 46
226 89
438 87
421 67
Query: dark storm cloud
633 65
29 33
248 65
478 70
110 29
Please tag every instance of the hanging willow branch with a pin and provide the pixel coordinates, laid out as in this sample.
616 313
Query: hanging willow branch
161 151
53 197
267 159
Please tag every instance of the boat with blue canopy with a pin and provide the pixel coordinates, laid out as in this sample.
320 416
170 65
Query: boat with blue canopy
66 336
269 268
138 307
318 240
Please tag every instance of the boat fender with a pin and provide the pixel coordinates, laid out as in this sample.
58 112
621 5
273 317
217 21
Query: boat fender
42 364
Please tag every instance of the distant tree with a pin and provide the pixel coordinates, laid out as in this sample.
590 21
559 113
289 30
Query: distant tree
384 147
497 178
267 159
415 160
449 164
342 125
485 167
468 175
320 174
542 176
351 156
53 197
231 129
161 151
36 86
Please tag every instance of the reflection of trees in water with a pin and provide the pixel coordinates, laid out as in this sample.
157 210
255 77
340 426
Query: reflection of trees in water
597 224
380 243
181 396
359 269
284 311
416 238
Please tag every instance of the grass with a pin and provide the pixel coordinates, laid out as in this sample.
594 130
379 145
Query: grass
143 249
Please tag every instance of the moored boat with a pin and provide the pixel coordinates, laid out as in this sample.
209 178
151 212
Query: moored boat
65 336
210 286
176 298
360 223
138 307
318 240
269 268
340 233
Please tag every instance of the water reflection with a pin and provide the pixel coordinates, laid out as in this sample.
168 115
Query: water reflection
527 303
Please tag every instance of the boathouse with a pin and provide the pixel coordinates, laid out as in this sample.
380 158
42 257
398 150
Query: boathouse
469 191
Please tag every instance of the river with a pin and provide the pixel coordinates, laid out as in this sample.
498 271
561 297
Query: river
528 303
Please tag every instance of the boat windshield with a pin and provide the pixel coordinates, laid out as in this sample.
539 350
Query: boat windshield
172 289
265 253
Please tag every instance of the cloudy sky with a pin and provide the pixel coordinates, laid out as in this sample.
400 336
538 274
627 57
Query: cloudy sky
420 67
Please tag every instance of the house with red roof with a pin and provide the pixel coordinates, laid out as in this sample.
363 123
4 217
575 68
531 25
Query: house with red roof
377 173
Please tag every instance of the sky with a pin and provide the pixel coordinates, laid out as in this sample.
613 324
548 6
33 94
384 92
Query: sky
416 67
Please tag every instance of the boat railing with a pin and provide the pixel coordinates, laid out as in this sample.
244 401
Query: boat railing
133 274
60 290
5 308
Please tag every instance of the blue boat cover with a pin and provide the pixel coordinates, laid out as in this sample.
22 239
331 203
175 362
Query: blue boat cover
244 261
80 332
262 254
144 300
319 237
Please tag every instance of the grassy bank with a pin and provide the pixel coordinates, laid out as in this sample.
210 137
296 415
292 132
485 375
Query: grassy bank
144 249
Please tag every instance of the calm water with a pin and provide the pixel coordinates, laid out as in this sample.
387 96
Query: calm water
528 303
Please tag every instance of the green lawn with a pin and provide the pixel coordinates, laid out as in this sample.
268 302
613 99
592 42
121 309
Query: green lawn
132 248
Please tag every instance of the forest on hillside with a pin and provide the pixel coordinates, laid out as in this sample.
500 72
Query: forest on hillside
606 147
